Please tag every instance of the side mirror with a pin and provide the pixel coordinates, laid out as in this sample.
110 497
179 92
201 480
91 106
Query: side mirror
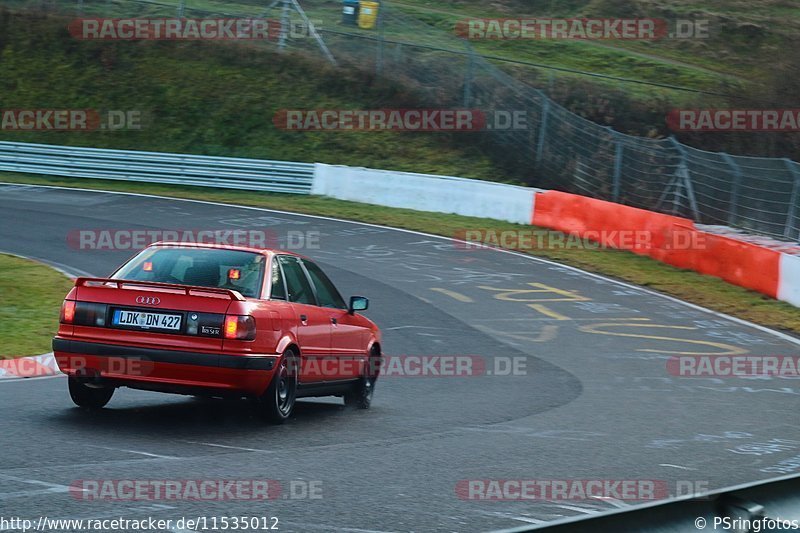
357 303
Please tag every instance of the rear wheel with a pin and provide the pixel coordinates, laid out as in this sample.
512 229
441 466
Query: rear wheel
87 396
360 396
277 403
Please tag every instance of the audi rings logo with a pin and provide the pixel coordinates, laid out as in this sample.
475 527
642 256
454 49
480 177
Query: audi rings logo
148 300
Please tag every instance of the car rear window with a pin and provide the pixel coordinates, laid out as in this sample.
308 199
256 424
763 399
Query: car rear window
202 267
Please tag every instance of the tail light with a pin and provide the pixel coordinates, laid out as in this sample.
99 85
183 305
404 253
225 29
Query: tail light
67 311
239 327
90 314
83 313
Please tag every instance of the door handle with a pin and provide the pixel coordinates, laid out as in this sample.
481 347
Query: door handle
334 321
303 318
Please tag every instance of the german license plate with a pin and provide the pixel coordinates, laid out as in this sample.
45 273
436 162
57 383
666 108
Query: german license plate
145 320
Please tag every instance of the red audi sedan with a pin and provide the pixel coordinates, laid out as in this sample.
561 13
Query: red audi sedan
213 320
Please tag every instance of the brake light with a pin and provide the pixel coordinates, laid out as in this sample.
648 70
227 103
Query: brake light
68 311
231 325
239 327
147 266
234 273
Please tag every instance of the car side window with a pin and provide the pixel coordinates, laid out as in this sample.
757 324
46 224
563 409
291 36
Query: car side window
327 294
300 290
278 290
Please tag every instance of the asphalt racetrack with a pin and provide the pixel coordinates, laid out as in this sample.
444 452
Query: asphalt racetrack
595 399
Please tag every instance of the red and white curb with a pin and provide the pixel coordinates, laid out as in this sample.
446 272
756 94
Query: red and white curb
36 366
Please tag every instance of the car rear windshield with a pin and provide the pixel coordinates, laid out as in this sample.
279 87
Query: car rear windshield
202 267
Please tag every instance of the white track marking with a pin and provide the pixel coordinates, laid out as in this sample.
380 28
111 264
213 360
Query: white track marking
784 336
146 454
509 516
575 508
619 504
33 482
28 493
239 448
50 488
676 466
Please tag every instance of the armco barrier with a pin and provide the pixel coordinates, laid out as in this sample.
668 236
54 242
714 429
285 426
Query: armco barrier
157 167
423 192
674 240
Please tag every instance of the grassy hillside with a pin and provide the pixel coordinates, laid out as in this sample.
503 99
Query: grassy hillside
219 99
210 99
744 35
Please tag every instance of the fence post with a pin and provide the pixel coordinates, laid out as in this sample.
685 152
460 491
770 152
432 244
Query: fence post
284 25
791 212
181 8
381 39
79 7
682 180
617 175
542 131
735 187
469 76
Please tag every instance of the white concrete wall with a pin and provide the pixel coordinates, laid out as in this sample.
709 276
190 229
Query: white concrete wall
789 279
423 192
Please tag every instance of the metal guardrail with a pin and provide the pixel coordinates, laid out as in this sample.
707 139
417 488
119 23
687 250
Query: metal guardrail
158 167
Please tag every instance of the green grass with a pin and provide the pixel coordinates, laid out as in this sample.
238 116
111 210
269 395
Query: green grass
31 299
211 99
707 291
723 62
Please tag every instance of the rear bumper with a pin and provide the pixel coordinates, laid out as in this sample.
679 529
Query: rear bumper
159 369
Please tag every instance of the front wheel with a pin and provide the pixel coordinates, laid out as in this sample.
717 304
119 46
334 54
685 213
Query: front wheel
360 396
89 397
277 402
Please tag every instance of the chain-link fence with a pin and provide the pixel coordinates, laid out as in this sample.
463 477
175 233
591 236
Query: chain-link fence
558 150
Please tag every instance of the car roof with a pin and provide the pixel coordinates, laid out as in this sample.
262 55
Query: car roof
263 251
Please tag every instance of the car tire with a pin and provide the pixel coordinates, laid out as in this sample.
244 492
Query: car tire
276 405
360 397
89 397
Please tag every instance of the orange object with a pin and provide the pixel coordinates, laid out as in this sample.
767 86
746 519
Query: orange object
670 239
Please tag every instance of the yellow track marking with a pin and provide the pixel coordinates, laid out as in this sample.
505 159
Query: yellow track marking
455 295
548 312
539 288
727 348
